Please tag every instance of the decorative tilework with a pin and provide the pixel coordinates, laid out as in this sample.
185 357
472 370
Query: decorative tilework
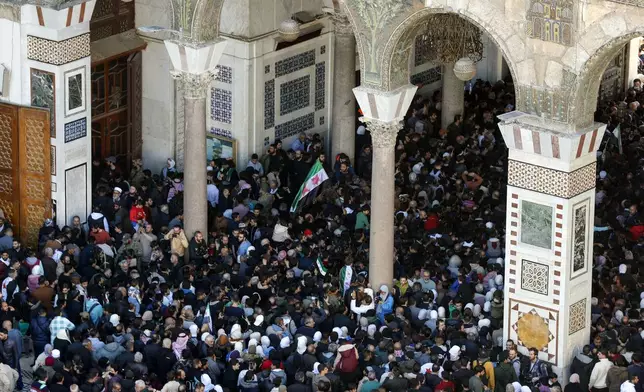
75 130
579 238
551 21
43 95
225 74
267 69
58 52
533 325
52 159
321 120
294 63
221 132
426 77
295 126
269 104
534 277
536 224
551 182
320 83
294 95
577 315
221 105
323 49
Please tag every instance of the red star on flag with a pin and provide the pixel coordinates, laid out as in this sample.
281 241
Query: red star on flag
305 190
315 180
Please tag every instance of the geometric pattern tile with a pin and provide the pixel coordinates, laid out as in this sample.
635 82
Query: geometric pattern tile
320 82
551 21
269 104
221 132
534 277
535 326
58 52
549 181
221 105
224 74
323 49
577 316
294 63
579 238
267 69
295 126
426 77
75 130
295 94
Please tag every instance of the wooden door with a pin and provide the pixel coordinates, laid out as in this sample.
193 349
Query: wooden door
135 91
9 185
35 172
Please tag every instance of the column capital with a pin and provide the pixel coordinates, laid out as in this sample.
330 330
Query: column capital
195 58
195 86
341 22
386 106
383 134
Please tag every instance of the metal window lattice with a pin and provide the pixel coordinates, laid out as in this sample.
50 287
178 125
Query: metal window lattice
320 84
58 52
221 105
295 126
75 130
224 74
294 95
269 104
294 63
426 77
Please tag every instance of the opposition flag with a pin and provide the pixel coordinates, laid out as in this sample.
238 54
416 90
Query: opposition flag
321 267
317 175
346 274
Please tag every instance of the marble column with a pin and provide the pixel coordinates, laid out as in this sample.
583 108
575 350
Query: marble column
453 100
381 240
383 115
195 67
549 237
195 204
343 127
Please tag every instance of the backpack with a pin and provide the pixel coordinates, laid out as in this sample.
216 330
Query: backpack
348 361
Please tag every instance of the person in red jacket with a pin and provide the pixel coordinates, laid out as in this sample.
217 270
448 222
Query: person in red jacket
137 213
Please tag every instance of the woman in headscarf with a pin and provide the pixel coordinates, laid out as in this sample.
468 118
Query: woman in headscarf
207 383
180 344
40 361
385 303
573 384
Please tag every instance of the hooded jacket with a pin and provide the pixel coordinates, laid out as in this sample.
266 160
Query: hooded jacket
110 351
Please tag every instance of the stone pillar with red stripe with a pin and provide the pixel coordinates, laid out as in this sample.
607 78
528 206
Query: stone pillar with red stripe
383 115
549 235
46 51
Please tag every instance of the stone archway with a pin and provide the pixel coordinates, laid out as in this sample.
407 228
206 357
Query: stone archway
597 47
397 51
199 20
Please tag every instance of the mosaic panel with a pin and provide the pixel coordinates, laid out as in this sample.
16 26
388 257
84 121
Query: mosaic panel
577 316
221 105
224 74
52 159
426 77
58 52
536 224
269 104
294 63
533 325
551 21
75 91
552 182
534 277
43 95
295 126
75 130
5 142
295 94
422 51
221 132
580 245
320 83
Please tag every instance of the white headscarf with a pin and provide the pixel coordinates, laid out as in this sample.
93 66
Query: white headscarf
301 345
285 342
454 353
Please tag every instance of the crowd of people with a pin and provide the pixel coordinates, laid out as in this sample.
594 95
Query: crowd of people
269 300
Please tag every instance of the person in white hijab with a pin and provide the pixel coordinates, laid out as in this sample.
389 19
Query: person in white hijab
454 353
285 342
301 345
207 383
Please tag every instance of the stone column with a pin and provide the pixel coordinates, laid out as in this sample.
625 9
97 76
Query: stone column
195 207
343 128
383 114
549 238
381 236
453 95
194 65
